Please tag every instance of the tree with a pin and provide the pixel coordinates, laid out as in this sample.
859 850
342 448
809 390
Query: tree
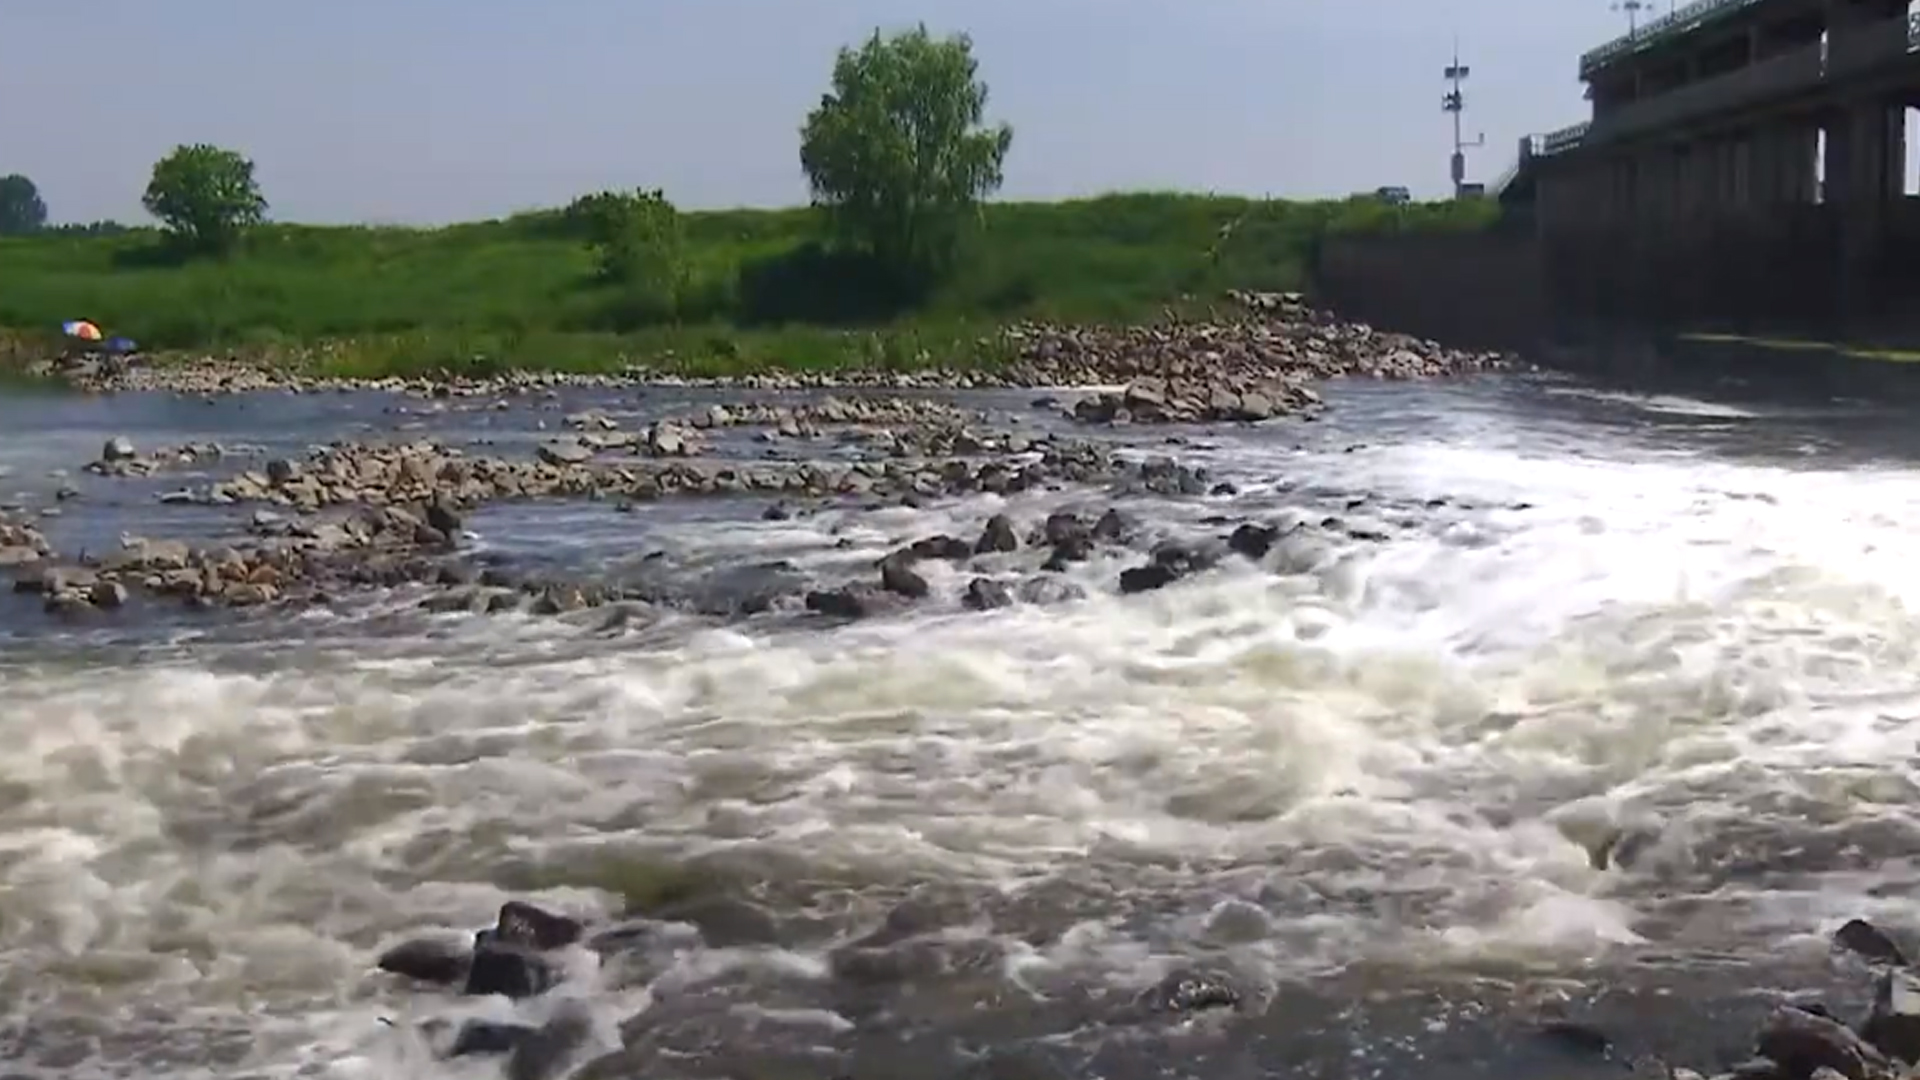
639 243
206 196
896 151
21 209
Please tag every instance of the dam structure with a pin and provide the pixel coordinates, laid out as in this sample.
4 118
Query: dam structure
1744 168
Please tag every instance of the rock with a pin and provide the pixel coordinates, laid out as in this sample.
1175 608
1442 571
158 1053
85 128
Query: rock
564 452
897 576
549 1052
1893 1025
488 1037
667 440
985 594
1194 991
522 924
1801 1042
1869 942
856 601
18 555
509 970
282 471
1113 528
118 448
998 535
948 548
1147 578
107 594
1253 541
1048 590
427 960
444 519
723 921
1066 528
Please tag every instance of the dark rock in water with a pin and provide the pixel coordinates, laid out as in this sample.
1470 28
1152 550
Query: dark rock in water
509 970
1075 548
1893 1026
428 960
900 578
1147 578
724 922
857 601
487 1037
779 511
442 517
1801 1042
1870 942
1063 526
522 924
1113 528
1185 558
1253 541
1190 991
1224 488
888 966
949 548
1578 1037
985 594
550 1051
1048 590
997 536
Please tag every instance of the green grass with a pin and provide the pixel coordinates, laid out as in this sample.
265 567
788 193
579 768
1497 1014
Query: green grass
521 292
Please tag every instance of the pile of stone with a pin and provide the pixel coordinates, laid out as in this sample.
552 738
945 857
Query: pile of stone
1264 346
1189 399
806 419
377 474
119 458
21 544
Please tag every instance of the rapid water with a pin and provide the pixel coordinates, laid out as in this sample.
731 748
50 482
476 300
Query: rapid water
1359 769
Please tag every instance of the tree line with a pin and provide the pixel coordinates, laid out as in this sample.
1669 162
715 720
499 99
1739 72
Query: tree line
897 155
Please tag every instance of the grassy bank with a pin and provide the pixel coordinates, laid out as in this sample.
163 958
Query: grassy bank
760 290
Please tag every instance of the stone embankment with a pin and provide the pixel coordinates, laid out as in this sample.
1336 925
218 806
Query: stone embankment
1249 364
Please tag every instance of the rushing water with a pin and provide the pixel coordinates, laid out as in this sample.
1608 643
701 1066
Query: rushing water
1355 779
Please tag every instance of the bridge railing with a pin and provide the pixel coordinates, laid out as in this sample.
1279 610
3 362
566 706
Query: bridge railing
1773 74
1680 20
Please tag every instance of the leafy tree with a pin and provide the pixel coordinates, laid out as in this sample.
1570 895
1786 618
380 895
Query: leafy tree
639 243
21 209
206 196
897 153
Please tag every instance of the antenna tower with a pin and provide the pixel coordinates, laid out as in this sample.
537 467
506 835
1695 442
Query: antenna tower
1455 102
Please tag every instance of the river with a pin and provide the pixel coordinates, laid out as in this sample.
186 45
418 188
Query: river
1354 781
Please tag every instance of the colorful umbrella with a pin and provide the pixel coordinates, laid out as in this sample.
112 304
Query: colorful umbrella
82 329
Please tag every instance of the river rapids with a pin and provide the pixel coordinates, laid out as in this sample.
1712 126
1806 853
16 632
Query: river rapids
1360 783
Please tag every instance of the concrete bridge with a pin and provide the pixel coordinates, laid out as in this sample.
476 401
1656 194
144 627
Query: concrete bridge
1744 169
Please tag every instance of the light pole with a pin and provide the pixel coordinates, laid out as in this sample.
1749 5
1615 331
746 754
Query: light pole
1454 101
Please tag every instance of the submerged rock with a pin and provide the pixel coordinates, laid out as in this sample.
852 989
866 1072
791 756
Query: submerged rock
429 960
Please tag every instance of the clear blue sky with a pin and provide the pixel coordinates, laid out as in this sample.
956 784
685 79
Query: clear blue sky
438 110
